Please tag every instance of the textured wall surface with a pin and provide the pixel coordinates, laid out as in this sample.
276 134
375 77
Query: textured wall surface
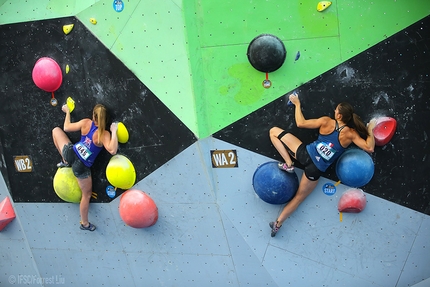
176 72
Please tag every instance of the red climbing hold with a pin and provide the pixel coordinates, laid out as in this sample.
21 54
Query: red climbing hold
353 200
137 209
7 214
47 74
384 130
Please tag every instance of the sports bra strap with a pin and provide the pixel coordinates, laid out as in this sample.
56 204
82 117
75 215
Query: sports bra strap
337 128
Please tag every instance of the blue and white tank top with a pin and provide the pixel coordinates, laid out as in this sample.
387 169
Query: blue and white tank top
86 150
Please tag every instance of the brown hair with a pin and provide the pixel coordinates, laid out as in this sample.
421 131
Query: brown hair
99 116
352 120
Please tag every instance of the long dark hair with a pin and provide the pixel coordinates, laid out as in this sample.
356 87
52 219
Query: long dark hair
352 120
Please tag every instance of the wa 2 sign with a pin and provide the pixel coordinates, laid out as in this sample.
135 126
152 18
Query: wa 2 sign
224 158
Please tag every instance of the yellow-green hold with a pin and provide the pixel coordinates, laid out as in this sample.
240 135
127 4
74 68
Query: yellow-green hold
122 133
66 185
70 104
68 28
120 172
323 5
93 21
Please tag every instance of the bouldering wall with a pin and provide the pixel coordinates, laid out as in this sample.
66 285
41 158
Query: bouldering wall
389 79
94 76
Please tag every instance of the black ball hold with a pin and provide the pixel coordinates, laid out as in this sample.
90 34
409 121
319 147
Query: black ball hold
266 53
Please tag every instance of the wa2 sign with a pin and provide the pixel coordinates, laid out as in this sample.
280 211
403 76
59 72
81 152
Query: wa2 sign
224 158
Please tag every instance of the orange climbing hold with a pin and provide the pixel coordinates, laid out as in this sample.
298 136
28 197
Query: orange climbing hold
7 214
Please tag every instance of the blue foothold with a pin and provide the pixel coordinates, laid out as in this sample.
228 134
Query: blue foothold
110 191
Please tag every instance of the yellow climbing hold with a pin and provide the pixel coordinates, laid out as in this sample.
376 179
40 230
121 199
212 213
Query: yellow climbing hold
122 133
93 21
67 69
70 104
68 28
120 172
66 185
323 5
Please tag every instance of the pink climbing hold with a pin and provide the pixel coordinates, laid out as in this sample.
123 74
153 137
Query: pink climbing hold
137 209
384 130
7 214
353 201
47 74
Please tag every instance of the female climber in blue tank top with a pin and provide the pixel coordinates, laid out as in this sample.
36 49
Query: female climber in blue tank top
335 135
80 156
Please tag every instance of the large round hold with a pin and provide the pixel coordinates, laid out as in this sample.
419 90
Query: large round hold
137 209
47 74
353 200
66 185
120 172
273 185
355 167
266 53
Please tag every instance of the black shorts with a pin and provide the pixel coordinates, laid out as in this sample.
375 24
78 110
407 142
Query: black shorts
80 170
302 156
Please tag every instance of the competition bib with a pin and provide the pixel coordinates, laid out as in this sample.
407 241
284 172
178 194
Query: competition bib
83 151
325 150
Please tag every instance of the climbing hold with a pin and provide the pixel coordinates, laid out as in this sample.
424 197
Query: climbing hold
323 5
66 185
110 191
353 200
67 69
7 214
273 185
266 53
120 172
70 104
122 133
137 209
68 28
93 21
384 130
355 167
47 74
297 56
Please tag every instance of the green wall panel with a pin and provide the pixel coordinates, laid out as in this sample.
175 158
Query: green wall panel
233 22
153 46
365 23
110 23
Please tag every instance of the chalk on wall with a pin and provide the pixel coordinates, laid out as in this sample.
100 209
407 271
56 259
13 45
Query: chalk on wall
7 214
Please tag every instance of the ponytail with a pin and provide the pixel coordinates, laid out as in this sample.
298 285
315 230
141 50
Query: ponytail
99 116
353 120
360 127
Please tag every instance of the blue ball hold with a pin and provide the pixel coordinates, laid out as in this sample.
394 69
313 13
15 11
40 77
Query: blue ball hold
355 167
273 185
